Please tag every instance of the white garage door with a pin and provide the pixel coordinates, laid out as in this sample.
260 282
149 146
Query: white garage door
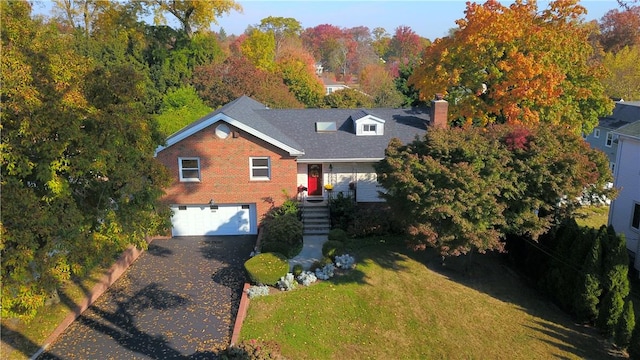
199 220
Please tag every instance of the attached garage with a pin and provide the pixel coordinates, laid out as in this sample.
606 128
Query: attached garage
208 220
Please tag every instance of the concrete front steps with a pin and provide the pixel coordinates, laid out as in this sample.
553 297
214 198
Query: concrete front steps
315 218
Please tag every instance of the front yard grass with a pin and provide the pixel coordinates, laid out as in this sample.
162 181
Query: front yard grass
399 304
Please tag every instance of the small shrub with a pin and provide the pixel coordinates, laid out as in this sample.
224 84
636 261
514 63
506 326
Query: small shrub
338 235
297 269
287 282
345 261
332 248
289 206
342 209
283 234
266 268
253 350
257 290
275 247
307 278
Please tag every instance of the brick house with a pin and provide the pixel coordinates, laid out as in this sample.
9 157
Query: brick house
232 165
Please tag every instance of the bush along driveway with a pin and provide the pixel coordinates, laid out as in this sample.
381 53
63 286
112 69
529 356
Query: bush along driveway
178 300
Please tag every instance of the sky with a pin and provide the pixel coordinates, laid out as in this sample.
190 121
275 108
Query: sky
428 18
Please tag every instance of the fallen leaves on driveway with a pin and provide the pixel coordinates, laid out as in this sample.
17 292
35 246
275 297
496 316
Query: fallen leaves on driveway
178 300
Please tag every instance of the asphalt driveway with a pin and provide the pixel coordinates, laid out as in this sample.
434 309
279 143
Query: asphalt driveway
177 301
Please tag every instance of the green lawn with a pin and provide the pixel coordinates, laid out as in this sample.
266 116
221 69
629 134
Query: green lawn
593 216
398 304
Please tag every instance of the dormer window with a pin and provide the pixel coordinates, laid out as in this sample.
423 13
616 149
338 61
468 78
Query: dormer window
366 124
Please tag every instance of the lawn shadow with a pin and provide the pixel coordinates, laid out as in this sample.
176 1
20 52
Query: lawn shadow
491 274
120 324
19 342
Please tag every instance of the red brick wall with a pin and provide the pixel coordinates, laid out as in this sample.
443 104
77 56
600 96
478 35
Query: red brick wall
224 170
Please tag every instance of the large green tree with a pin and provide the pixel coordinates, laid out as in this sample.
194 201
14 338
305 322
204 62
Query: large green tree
78 175
542 70
282 29
623 78
463 190
192 14
180 108
296 67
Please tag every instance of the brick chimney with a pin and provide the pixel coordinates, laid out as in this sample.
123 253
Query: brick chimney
438 112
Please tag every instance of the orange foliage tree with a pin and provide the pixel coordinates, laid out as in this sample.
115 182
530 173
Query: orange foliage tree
515 64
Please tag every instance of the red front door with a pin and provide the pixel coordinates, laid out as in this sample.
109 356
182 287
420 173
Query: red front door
314 186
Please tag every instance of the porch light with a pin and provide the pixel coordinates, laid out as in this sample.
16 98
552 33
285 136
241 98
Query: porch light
211 202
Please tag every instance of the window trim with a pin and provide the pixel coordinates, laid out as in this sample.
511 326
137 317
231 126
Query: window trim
609 141
596 133
252 168
635 216
181 169
369 128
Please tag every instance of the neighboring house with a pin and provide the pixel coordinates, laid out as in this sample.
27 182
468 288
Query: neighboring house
332 86
624 212
603 137
232 165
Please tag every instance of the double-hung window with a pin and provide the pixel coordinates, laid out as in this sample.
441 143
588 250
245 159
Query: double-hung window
189 169
609 140
369 128
260 168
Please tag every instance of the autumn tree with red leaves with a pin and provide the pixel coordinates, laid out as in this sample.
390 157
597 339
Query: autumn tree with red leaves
619 29
218 84
405 45
540 71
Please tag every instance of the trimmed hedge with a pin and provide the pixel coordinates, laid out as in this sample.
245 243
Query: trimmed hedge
266 268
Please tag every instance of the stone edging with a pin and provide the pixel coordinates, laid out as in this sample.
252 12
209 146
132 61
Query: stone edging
117 269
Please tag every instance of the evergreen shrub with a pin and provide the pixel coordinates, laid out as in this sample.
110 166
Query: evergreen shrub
625 326
297 269
338 235
266 268
283 234
332 248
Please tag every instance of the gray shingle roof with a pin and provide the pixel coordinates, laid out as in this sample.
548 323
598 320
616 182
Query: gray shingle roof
631 130
343 144
624 113
296 128
244 110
